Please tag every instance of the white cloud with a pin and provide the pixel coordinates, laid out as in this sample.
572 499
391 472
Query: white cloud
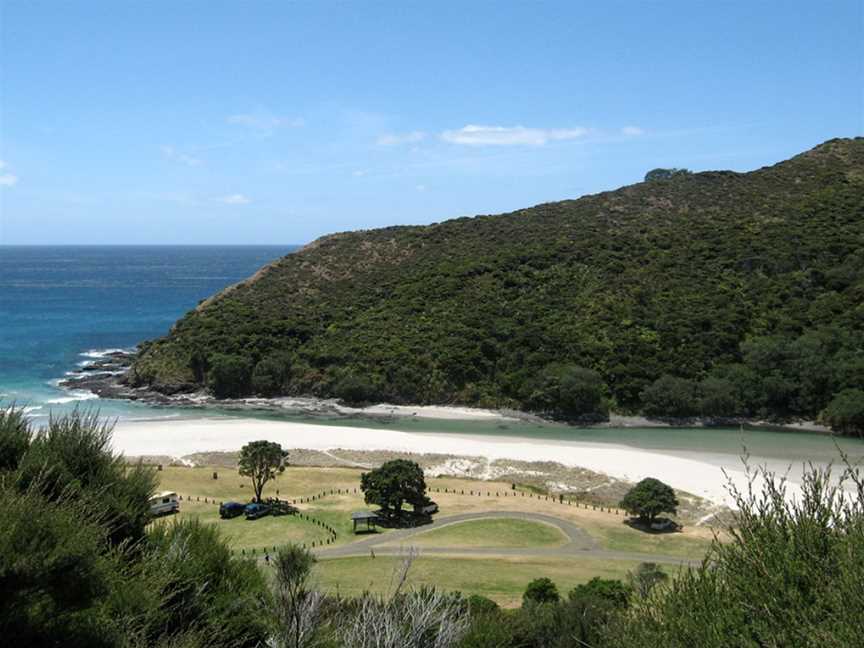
420 187
632 131
235 199
359 173
473 135
394 139
265 121
173 154
7 179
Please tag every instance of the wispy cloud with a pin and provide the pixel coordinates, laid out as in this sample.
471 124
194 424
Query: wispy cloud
264 121
395 139
235 199
474 135
171 153
7 179
632 131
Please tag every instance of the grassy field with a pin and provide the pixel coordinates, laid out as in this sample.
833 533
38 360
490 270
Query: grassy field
493 533
502 579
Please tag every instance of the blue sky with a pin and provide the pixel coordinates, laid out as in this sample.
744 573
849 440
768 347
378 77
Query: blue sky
276 122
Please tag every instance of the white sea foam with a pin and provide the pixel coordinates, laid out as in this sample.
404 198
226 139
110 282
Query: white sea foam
96 354
74 395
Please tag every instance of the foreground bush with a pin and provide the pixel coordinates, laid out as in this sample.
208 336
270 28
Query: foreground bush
792 574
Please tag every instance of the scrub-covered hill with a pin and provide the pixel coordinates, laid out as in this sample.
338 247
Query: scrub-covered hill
714 293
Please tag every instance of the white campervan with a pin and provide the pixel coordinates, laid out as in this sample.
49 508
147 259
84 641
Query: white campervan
164 503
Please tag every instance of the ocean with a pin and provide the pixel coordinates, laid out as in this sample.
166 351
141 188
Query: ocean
62 306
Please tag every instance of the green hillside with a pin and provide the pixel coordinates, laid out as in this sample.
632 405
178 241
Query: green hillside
717 294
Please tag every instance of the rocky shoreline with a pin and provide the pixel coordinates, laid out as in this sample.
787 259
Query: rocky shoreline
104 376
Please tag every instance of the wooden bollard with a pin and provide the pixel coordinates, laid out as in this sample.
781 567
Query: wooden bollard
215 475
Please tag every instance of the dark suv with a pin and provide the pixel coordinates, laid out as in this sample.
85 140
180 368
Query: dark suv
230 510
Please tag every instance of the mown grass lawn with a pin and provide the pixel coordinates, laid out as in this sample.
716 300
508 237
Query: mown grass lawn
502 579
492 533
264 533
302 482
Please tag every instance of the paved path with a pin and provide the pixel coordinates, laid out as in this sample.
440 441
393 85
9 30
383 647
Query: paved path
579 543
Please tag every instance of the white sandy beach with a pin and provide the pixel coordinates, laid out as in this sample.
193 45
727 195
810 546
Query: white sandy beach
178 438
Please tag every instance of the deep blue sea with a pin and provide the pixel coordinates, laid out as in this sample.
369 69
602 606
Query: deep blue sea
60 306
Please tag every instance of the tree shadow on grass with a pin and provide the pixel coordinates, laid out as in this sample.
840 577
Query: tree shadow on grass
661 526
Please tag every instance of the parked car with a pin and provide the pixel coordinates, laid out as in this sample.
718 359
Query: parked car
255 510
229 510
164 503
280 507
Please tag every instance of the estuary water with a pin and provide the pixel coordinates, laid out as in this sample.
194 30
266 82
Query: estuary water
63 306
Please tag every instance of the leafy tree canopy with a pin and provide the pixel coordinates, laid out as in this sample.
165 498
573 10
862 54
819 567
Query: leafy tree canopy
393 484
262 461
649 498
541 590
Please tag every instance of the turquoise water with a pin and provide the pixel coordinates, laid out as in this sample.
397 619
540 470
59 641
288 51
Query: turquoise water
60 306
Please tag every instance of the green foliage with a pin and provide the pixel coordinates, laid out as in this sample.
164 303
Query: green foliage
649 498
78 569
272 375
53 572
72 457
200 584
481 605
396 482
541 590
790 573
230 376
647 576
261 461
354 389
719 398
569 392
611 591
15 437
665 174
755 278
845 412
671 396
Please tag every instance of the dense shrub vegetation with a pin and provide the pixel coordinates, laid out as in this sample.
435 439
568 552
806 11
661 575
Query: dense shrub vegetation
77 567
713 294
790 573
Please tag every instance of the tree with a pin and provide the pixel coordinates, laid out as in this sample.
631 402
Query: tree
611 591
646 577
665 174
354 389
230 376
569 391
845 412
262 461
671 396
718 398
271 374
540 590
297 607
649 498
393 484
